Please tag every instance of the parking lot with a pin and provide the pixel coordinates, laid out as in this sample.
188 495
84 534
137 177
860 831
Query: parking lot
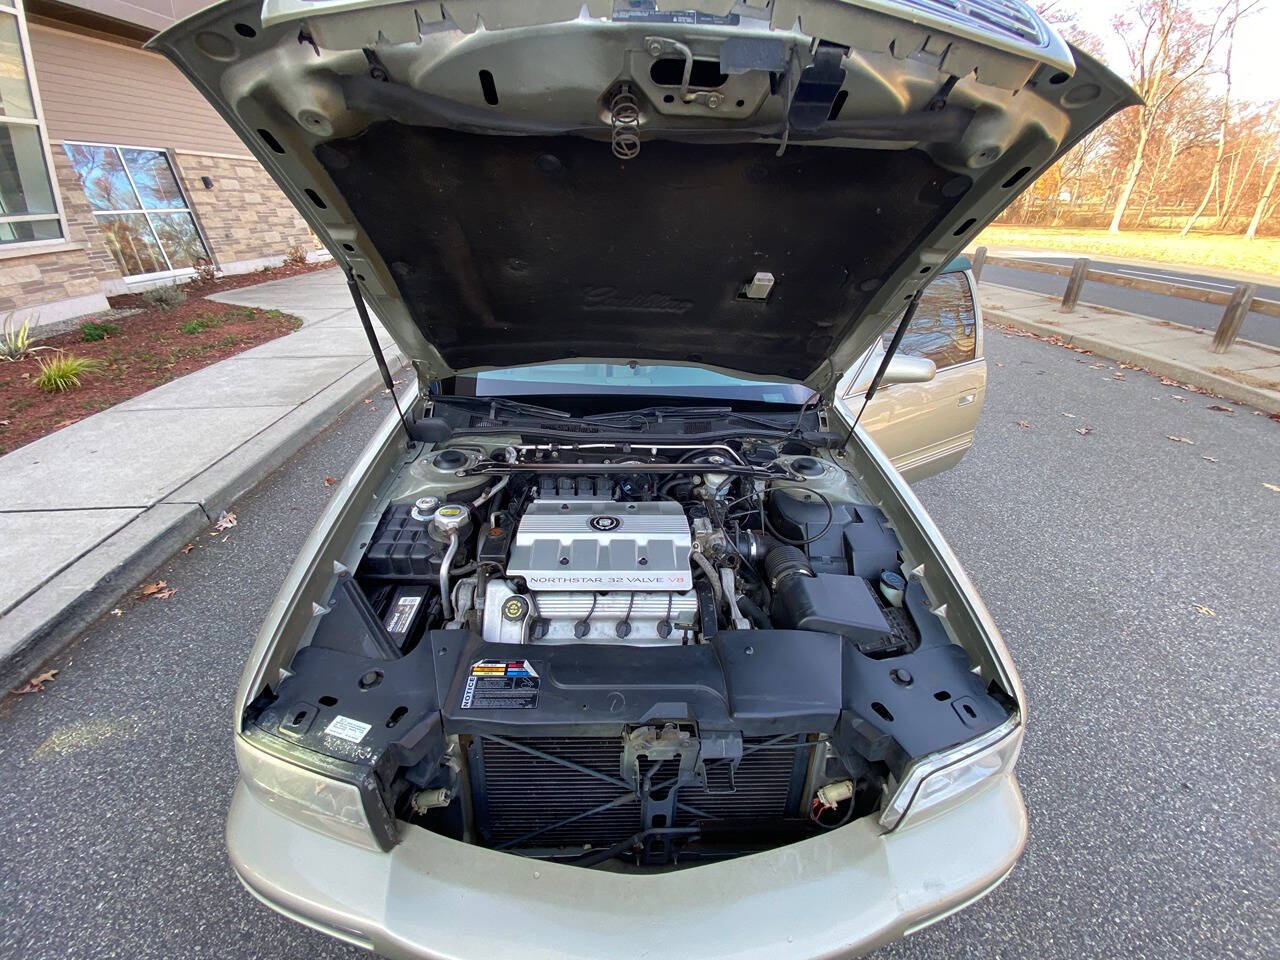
1134 577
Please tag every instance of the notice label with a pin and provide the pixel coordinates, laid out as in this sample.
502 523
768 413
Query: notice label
501 685
347 729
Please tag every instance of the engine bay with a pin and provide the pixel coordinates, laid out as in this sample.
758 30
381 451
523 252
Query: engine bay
624 654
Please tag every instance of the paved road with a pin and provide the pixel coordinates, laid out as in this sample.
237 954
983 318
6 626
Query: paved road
1206 316
1150 769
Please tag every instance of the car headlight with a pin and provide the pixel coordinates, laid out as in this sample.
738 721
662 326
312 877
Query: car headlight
937 782
312 799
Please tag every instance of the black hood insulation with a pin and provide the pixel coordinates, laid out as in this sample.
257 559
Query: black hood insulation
511 250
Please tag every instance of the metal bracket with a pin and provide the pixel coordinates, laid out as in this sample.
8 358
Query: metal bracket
664 46
817 88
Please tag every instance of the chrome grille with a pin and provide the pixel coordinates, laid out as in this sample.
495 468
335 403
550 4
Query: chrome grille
1008 17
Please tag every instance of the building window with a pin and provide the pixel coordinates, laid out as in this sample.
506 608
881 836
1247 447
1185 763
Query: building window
140 207
28 205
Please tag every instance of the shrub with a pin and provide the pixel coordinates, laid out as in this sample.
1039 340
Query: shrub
206 321
206 273
166 297
15 344
295 256
92 330
62 371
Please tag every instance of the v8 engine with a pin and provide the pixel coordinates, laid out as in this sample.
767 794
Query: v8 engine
584 570
589 545
677 651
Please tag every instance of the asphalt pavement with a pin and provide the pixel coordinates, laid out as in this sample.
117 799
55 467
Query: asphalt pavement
1134 580
1193 313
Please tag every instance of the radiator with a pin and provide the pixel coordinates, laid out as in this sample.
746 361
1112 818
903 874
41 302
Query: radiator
516 794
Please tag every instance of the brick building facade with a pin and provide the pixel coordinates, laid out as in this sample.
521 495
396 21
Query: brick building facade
115 174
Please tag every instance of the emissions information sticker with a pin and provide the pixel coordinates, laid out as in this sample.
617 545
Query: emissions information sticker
501 685
347 729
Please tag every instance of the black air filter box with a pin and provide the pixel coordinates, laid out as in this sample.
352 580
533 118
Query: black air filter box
831 603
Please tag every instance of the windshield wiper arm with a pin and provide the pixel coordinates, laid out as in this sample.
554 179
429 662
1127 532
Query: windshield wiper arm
512 406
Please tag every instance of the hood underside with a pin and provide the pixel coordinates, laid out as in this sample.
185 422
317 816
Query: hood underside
548 180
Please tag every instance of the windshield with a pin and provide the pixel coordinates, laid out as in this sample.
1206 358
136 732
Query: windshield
656 380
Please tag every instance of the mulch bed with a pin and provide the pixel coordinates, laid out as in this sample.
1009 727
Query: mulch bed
151 347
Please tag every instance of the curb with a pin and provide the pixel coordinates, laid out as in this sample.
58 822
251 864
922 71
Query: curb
1265 400
48 620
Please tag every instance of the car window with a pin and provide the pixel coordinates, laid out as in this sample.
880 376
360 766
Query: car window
943 329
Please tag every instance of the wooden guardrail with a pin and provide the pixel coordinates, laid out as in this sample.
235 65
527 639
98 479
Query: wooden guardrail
1238 303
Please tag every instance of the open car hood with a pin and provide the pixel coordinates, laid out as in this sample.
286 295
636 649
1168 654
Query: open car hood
465 161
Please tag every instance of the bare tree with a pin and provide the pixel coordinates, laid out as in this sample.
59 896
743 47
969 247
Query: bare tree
1233 17
1264 201
1167 46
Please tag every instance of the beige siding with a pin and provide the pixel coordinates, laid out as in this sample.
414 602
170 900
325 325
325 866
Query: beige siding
104 92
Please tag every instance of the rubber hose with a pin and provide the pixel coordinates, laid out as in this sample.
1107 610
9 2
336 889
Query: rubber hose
783 561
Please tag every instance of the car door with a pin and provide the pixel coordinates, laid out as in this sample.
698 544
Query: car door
925 428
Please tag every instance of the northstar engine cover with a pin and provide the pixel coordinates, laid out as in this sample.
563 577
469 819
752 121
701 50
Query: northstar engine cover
593 545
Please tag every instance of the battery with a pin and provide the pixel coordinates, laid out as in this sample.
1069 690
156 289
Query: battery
406 608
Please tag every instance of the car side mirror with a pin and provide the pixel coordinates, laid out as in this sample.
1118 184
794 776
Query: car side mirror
904 369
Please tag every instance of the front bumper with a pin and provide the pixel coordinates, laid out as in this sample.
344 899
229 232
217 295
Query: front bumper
837 895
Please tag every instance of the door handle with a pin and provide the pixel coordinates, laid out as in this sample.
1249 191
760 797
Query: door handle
965 400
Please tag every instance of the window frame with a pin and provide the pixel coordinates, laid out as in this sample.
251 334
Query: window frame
854 382
172 272
967 279
16 9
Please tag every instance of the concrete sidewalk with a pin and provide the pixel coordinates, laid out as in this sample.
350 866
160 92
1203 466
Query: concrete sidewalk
1247 373
88 511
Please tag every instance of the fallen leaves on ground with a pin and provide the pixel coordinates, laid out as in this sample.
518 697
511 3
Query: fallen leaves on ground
330 481
1179 439
225 521
1023 424
36 683
1221 409
1274 488
1168 382
1084 431
1204 611
1179 397
157 590
188 548
1118 375
117 612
